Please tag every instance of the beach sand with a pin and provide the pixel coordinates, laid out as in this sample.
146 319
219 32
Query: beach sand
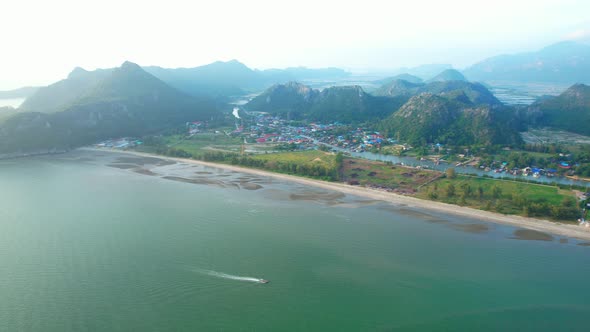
539 225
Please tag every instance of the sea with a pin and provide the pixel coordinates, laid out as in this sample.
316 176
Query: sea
102 241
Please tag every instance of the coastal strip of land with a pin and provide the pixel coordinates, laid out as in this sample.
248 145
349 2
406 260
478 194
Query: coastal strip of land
540 225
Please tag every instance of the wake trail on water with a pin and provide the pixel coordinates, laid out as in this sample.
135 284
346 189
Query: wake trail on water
227 276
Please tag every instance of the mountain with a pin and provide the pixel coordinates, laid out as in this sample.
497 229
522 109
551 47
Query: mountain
215 79
128 102
6 111
303 73
424 71
476 92
57 96
564 62
569 111
291 100
350 104
343 103
223 79
448 75
399 87
401 77
430 118
24 92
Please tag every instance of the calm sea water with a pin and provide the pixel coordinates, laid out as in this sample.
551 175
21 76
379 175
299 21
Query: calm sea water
101 242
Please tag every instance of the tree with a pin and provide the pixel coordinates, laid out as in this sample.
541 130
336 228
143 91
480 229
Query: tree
496 192
450 190
463 199
466 188
450 172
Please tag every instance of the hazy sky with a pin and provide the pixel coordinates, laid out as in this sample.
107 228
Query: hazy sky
43 40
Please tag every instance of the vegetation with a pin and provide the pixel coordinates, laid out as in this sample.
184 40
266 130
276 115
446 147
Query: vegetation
429 118
569 111
347 104
475 92
448 75
128 102
507 197
395 178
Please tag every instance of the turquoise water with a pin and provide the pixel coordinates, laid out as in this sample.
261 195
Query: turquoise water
93 242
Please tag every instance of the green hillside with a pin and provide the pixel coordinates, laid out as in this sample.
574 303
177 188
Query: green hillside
129 102
569 111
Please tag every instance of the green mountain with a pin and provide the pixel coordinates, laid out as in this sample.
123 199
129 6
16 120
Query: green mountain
476 92
452 119
24 92
350 104
399 87
448 75
424 71
569 111
403 77
564 62
57 96
343 103
292 100
128 102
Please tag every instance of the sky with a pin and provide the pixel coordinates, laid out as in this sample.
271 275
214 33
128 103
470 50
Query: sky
44 40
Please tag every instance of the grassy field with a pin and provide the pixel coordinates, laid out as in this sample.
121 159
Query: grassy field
508 199
199 143
378 174
309 157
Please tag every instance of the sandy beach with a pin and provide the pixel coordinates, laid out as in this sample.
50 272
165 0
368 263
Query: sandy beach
540 225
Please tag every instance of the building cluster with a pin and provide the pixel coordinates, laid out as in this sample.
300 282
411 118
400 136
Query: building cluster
264 128
119 143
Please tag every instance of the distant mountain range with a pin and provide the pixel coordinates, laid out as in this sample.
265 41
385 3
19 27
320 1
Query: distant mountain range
218 80
127 102
432 103
343 103
232 78
475 92
18 93
564 62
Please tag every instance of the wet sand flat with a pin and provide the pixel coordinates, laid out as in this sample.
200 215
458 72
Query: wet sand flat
531 235
122 166
539 225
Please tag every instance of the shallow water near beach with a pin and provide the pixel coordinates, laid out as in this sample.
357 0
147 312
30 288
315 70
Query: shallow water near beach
109 242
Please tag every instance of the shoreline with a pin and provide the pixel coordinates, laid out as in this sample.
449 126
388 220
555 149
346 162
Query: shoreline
540 225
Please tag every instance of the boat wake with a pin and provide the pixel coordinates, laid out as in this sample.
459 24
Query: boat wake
230 276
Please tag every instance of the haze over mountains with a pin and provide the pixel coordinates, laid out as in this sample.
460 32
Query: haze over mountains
443 107
232 78
565 62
